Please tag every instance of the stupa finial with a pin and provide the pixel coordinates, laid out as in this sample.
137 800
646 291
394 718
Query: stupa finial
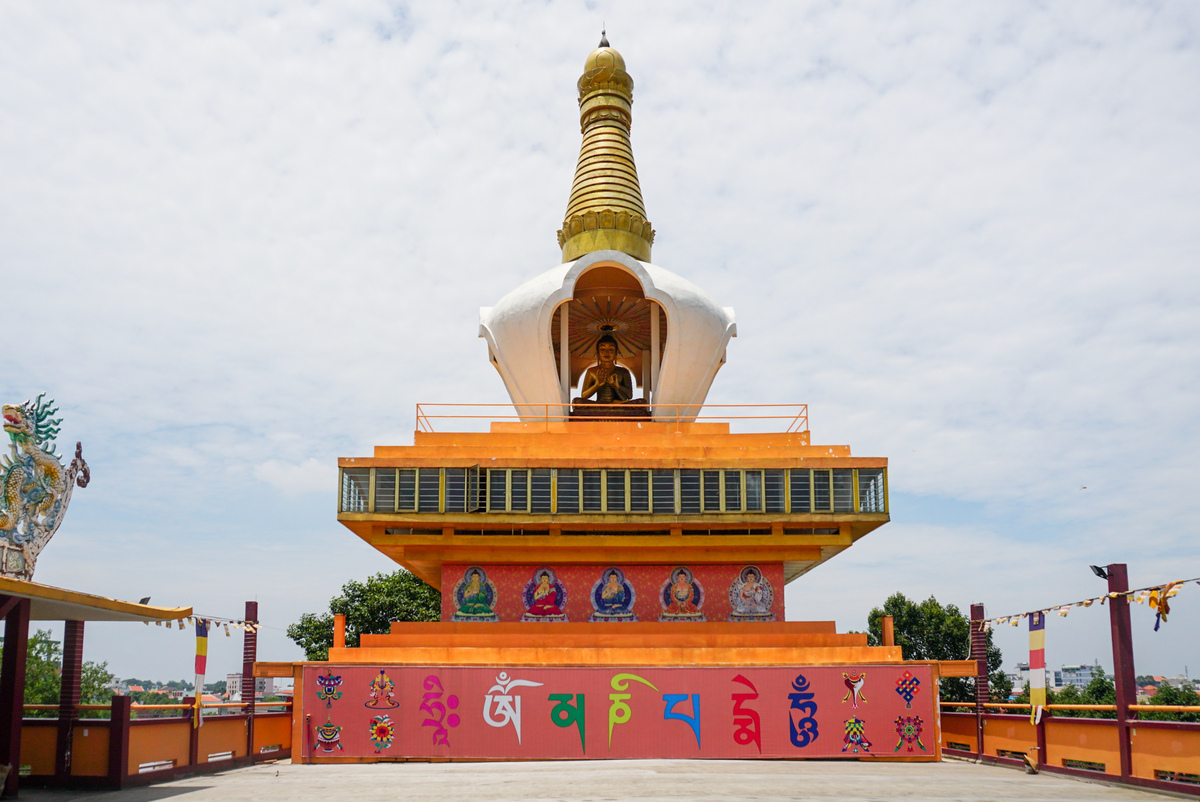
605 210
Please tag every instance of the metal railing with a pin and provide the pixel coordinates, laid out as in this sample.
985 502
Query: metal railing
795 415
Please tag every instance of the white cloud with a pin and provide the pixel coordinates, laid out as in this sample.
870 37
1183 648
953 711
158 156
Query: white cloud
310 476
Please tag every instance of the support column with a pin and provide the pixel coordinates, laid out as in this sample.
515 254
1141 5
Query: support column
193 730
118 741
564 355
654 351
1124 679
979 655
249 656
70 689
12 689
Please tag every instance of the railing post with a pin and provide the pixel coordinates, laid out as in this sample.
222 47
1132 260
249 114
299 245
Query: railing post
979 654
118 741
193 730
68 697
1124 679
249 656
12 689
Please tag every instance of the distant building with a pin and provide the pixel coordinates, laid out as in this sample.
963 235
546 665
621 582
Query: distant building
263 686
1078 676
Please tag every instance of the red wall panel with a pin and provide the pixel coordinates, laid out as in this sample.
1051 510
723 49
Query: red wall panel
597 713
578 580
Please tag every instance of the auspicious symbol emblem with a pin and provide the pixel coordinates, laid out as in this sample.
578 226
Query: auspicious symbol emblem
383 730
908 686
433 705
751 596
744 718
36 488
682 597
855 739
909 729
854 683
330 688
329 735
802 720
382 689
507 705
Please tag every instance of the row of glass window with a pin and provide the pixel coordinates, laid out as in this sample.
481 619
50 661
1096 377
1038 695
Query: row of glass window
612 490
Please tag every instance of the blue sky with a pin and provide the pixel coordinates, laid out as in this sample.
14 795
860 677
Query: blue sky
240 240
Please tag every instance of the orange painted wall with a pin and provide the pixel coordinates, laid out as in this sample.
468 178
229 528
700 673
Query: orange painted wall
272 730
89 750
38 745
221 734
1014 734
158 741
960 730
1069 739
1165 750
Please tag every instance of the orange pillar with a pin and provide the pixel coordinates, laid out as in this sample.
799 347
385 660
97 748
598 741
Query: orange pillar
339 631
888 631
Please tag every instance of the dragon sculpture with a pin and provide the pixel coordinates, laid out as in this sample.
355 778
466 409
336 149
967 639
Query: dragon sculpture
36 487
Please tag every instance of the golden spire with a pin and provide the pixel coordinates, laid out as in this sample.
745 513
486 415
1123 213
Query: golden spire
605 210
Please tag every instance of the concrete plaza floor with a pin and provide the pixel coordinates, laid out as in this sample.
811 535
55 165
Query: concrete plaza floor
611 780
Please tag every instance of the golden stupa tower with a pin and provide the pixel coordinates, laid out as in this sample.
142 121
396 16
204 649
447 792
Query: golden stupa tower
605 211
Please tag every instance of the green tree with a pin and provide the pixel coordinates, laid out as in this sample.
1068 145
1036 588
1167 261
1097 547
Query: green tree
929 631
43 677
369 607
216 688
154 698
1170 695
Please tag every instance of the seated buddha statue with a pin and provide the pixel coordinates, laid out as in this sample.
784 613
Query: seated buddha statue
607 383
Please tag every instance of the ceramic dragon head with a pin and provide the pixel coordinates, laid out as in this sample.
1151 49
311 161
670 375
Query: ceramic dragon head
35 486
33 422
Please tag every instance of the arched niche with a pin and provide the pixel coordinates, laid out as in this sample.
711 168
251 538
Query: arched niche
608 299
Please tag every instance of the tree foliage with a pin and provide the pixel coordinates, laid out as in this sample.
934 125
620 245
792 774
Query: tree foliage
369 607
154 698
1099 691
929 631
43 677
1172 695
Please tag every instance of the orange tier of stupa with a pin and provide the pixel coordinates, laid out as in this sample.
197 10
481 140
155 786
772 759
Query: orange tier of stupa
649 497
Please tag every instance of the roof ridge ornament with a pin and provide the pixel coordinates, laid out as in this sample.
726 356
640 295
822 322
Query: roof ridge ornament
36 488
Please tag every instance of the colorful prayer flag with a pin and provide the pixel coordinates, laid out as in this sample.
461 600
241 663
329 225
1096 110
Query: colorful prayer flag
1037 665
201 666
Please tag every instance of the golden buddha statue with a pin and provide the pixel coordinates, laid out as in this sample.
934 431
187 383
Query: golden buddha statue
610 383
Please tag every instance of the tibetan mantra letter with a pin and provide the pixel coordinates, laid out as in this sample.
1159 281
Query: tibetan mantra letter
597 713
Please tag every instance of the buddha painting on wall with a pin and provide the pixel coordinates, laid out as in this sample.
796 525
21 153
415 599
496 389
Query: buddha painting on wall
682 597
750 596
475 597
545 597
613 597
